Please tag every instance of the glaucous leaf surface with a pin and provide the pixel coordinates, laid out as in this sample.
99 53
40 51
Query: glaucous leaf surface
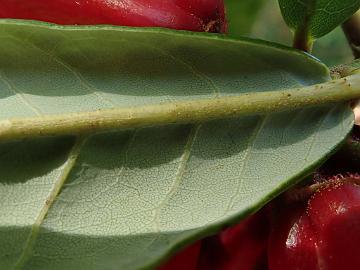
128 199
317 17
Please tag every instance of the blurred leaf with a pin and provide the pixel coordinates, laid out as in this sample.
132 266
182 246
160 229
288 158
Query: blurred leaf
242 15
270 25
333 49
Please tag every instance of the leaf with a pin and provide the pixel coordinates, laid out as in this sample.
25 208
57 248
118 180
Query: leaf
332 48
129 199
241 16
317 17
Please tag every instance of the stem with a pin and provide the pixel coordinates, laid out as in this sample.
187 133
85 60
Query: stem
351 28
302 40
344 89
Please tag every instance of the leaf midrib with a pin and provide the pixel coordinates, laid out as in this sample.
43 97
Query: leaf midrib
193 111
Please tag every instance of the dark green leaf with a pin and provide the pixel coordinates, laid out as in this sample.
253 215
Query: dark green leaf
317 17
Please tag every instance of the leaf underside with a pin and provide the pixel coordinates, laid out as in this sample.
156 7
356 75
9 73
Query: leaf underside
317 17
128 199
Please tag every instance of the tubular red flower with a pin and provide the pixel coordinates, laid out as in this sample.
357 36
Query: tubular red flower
243 246
335 217
196 15
292 243
324 234
185 259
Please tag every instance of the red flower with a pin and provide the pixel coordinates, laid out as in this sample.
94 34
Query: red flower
194 15
322 233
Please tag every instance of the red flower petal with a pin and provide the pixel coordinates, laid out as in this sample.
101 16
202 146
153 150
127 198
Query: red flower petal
184 15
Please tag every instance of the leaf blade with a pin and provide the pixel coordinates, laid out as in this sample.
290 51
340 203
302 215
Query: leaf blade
316 18
133 197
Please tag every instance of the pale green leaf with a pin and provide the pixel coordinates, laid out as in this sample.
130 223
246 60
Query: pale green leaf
127 200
